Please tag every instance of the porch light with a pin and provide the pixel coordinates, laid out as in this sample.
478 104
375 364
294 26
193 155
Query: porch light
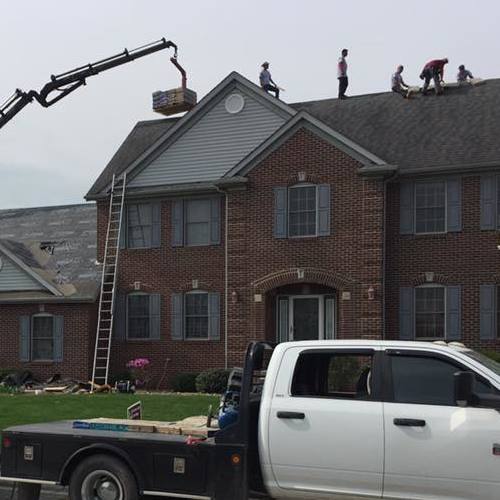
371 293
234 297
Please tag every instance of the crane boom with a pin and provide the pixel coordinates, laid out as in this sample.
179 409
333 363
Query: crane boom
67 82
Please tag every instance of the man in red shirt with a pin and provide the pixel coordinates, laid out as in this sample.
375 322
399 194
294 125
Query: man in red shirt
433 70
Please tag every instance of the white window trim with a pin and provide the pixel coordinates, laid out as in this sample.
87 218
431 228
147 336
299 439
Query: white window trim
297 186
32 329
445 206
184 329
136 339
445 326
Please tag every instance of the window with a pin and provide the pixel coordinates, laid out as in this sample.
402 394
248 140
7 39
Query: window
197 222
430 207
42 338
345 375
196 315
430 312
138 316
302 211
139 225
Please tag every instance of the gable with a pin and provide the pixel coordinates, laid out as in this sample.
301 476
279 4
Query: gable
13 278
217 142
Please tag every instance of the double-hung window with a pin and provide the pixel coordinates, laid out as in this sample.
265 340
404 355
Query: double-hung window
42 338
197 222
139 225
196 315
430 207
302 211
430 311
143 316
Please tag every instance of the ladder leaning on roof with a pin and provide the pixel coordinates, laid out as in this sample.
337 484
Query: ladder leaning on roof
102 353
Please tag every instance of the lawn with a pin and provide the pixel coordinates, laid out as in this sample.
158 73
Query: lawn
24 409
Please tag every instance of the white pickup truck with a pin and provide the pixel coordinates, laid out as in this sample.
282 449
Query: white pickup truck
316 420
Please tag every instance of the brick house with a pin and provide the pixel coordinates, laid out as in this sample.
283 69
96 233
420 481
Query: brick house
247 218
49 283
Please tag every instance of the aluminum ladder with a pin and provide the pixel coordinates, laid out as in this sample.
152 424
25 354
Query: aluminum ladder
102 352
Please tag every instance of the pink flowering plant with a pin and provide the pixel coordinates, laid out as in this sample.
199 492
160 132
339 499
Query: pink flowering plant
139 370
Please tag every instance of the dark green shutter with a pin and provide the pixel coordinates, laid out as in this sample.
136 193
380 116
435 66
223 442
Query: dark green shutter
215 221
119 317
280 212
177 316
488 317
24 338
407 208
488 202
324 210
214 316
406 313
453 313
177 223
154 316
58 338
454 205
156 225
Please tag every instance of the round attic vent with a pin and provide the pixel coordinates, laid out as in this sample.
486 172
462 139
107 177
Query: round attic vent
235 103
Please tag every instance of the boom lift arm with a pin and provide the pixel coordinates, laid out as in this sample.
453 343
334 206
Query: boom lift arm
67 82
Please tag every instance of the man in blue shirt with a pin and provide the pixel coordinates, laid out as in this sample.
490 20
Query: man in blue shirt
266 81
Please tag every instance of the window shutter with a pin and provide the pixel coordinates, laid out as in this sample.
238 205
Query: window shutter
156 225
407 208
154 316
406 314
488 202
58 338
487 305
120 317
24 338
280 212
329 316
123 228
215 221
454 205
453 313
283 325
177 316
214 316
324 210
177 223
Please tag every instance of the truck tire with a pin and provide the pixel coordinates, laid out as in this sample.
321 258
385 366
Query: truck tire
27 491
102 477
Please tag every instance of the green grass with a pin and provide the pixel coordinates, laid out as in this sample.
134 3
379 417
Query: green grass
26 409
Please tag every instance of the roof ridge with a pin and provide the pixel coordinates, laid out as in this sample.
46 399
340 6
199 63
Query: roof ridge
46 207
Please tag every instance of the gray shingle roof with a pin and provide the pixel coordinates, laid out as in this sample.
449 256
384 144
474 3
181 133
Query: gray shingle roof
57 243
457 129
142 136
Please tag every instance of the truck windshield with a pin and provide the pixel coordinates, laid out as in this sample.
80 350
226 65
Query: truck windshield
494 366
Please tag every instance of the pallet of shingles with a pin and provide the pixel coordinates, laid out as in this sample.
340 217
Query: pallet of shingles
173 101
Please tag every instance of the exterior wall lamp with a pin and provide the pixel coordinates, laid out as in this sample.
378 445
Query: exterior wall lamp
371 293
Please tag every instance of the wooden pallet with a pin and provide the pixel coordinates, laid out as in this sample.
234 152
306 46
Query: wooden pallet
171 102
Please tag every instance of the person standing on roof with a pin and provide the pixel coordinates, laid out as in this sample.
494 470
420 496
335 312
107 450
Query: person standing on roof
434 70
398 85
342 74
463 74
266 81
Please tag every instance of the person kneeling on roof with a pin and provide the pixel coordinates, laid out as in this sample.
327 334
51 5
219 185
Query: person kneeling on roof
398 85
463 74
433 70
266 81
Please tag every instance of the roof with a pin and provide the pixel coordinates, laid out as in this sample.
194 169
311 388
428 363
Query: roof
57 245
456 130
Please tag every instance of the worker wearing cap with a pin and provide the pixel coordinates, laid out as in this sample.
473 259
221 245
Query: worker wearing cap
342 74
463 74
398 85
434 70
266 81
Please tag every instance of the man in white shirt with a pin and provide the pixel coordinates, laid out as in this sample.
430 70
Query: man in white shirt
342 74
398 85
266 81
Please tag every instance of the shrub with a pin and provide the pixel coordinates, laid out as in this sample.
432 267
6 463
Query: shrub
212 381
184 382
6 371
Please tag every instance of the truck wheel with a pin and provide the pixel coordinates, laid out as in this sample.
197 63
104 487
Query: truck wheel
102 477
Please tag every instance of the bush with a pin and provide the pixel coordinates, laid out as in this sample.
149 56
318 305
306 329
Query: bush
6 371
212 381
494 355
184 382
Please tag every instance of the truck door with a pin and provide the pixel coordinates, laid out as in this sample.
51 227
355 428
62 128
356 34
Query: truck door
435 449
326 424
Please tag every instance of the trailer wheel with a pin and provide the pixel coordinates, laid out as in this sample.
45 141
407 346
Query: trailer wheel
102 477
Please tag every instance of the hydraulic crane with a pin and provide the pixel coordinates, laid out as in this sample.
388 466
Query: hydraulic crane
67 82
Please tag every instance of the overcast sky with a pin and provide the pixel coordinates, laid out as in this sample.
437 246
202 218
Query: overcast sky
52 156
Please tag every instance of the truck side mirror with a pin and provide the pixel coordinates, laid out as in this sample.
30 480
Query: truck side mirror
464 382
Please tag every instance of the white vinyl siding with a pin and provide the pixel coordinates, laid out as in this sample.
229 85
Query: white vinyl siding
13 278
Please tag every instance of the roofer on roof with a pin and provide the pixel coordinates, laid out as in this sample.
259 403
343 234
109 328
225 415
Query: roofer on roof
434 70
463 74
266 81
342 74
398 85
